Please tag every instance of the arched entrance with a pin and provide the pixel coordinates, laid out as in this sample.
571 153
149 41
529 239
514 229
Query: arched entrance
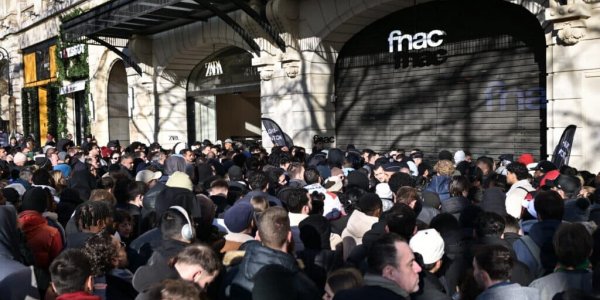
445 75
223 98
118 108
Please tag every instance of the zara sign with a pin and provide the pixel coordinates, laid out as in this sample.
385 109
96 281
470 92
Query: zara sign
419 40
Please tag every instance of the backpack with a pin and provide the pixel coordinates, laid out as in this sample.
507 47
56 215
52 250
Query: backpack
526 204
534 249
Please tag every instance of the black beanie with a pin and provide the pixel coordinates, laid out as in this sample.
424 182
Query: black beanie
36 199
11 195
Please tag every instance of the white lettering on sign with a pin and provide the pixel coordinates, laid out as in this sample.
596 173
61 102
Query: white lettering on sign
73 87
420 40
213 68
73 51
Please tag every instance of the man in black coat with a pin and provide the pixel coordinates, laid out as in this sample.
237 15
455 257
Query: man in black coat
393 272
275 240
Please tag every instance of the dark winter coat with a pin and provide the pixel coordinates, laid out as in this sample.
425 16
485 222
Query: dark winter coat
256 257
157 269
13 273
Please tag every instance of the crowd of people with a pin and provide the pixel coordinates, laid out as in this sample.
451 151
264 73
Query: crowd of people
233 221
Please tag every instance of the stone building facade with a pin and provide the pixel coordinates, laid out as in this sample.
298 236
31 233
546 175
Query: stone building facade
301 86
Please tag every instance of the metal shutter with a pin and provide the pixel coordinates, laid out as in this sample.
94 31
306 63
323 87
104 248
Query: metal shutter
482 90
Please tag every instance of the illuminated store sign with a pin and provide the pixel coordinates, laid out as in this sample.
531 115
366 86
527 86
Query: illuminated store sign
420 40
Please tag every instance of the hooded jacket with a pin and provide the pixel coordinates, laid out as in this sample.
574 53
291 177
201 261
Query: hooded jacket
44 240
13 272
358 224
541 233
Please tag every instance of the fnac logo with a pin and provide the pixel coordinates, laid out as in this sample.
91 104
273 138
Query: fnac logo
419 40
323 139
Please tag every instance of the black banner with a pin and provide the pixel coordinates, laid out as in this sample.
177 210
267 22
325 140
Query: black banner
278 137
562 152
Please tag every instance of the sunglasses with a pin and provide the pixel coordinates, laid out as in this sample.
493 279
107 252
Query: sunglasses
116 158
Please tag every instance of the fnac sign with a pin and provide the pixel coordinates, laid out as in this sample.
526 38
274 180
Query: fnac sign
419 40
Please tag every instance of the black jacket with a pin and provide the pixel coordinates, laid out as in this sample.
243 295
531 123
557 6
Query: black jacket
430 288
256 257
157 269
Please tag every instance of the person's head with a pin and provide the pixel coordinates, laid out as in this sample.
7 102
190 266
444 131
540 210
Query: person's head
175 289
36 199
103 195
42 177
444 167
258 180
136 191
511 224
567 186
311 175
516 171
188 155
115 158
197 263
104 251
407 195
239 218
572 245
123 223
391 257
379 173
94 216
492 264
71 271
127 161
175 224
459 186
401 220
485 164
296 170
219 187
549 205
342 279
370 204
297 201
274 228
489 224
429 243
259 203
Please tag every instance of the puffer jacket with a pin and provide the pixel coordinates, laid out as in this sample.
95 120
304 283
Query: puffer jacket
44 240
358 224
455 205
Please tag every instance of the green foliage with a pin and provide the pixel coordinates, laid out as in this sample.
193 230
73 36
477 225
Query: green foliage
71 69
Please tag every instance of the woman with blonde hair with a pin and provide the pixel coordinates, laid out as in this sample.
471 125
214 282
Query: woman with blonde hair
440 183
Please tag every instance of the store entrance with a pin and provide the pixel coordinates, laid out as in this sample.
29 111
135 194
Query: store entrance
223 98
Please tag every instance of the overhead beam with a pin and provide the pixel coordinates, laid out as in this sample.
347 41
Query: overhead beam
232 23
262 22
118 52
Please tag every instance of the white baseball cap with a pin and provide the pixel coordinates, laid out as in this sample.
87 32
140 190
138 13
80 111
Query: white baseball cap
429 244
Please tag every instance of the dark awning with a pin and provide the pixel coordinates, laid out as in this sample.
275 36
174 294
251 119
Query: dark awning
115 22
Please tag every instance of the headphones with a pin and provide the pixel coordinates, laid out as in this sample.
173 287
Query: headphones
187 231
